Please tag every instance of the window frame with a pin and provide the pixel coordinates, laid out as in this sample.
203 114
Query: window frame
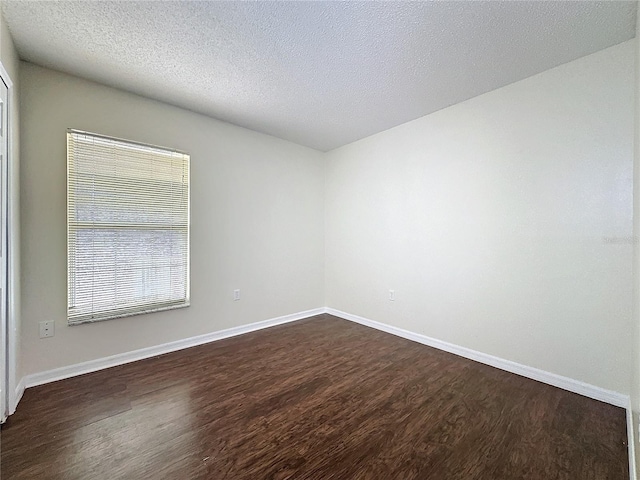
142 307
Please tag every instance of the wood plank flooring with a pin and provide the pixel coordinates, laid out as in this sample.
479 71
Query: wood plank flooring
318 399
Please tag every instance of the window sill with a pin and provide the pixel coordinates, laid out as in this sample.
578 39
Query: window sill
94 319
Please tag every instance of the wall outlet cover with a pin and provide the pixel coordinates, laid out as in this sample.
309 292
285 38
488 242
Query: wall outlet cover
47 329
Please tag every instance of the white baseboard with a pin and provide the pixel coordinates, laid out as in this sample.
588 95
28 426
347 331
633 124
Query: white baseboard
17 396
122 358
608 396
566 383
591 391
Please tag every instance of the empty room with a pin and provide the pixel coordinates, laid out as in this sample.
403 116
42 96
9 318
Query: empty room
319 240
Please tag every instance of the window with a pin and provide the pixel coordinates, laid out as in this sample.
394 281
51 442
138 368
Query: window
127 228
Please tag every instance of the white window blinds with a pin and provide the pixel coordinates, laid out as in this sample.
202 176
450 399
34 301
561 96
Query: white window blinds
128 228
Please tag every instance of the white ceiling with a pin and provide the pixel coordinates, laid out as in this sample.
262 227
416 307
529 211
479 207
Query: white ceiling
321 74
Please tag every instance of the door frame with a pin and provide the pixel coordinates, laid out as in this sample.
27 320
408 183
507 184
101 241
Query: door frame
12 394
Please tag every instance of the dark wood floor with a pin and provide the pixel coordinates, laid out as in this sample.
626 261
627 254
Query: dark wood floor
316 399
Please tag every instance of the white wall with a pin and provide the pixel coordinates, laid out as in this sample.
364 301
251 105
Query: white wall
502 223
11 62
257 219
635 362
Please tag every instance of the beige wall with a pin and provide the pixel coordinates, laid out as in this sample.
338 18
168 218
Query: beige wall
503 223
256 219
10 61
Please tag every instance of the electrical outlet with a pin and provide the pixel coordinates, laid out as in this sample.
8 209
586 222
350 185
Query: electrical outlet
47 329
392 295
236 295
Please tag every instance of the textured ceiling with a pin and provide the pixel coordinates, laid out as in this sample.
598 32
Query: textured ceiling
321 74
